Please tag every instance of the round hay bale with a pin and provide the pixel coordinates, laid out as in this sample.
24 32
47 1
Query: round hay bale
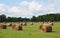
17 27
24 24
42 28
3 26
49 29
21 24
10 24
50 23
31 23
13 26
46 27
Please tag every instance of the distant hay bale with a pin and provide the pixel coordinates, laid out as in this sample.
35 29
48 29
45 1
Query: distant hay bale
21 23
50 23
47 27
17 27
3 26
9 24
24 23
31 23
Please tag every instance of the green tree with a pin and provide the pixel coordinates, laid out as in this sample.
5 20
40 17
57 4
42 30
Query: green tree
2 18
34 19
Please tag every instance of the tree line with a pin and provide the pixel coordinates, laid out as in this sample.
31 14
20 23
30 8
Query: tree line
40 18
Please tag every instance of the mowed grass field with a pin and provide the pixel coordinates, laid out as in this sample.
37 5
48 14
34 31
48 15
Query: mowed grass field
31 31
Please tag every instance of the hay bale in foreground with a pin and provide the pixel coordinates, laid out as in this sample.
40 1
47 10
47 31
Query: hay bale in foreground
46 27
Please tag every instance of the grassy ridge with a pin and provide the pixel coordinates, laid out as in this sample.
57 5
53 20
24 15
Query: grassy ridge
31 31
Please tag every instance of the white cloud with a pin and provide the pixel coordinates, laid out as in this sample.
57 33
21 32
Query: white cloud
32 5
14 9
28 9
35 6
24 3
38 8
17 12
2 8
54 6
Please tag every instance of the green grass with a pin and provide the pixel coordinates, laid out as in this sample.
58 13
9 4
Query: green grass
31 31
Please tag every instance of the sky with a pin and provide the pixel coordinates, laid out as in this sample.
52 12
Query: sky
28 8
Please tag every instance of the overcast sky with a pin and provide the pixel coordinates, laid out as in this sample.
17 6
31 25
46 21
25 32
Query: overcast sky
28 8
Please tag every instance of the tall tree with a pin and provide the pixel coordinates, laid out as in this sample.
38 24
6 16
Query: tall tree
2 18
34 19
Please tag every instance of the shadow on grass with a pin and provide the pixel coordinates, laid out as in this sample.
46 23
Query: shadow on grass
53 32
